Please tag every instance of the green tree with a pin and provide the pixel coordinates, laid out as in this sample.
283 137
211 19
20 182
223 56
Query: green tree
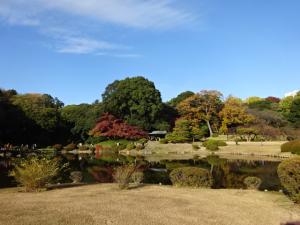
182 132
203 106
285 105
81 119
41 108
43 121
135 100
12 119
182 96
294 112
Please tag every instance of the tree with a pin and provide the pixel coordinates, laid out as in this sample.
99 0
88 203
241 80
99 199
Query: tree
135 100
203 106
81 119
182 96
166 119
234 114
247 133
273 99
43 109
294 112
110 127
12 119
182 132
30 118
268 117
285 105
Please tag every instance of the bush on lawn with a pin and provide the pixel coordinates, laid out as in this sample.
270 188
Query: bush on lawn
291 146
34 173
130 146
191 177
123 175
70 147
163 141
289 175
195 146
57 147
137 177
213 145
252 182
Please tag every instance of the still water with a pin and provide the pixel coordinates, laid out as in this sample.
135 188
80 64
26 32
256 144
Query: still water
99 168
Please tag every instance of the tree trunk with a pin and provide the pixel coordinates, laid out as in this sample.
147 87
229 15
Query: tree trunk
209 127
211 169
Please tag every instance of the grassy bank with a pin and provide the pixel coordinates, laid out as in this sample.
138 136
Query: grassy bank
244 150
153 205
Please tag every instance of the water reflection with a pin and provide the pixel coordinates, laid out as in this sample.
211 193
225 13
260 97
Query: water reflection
99 168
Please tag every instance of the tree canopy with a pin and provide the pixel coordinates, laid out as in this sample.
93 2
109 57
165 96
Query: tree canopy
203 106
110 127
135 100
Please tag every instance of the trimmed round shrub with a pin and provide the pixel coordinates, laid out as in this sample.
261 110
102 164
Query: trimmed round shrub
289 175
57 147
76 176
143 141
70 147
139 147
252 182
221 143
191 177
213 145
291 146
130 146
163 141
195 146
137 177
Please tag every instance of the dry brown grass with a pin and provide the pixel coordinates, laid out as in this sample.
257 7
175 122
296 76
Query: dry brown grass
245 150
149 205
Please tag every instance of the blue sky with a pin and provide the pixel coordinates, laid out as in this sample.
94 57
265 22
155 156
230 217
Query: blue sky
72 49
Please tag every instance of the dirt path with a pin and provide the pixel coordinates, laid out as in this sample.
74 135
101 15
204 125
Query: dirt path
149 205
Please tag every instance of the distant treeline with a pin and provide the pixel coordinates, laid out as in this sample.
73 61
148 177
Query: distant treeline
44 120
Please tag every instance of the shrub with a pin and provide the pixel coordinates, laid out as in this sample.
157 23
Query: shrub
123 174
252 182
221 143
57 147
130 146
163 141
143 141
289 175
35 174
182 132
195 146
213 145
137 177
84 147
70 147
76 176
191 177
291 146
139 147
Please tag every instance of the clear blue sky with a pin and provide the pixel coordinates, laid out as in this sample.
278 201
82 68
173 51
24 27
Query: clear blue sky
73 50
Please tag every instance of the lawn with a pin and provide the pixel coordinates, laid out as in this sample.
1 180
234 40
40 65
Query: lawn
149 205
244 150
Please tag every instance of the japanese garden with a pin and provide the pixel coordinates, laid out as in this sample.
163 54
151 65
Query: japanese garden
132 141
149 112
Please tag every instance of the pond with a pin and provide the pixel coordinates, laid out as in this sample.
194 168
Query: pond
99 168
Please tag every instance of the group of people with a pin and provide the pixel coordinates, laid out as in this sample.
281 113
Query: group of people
22 147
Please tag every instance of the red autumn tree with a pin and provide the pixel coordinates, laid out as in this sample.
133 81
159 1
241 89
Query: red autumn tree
272 99
111 127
